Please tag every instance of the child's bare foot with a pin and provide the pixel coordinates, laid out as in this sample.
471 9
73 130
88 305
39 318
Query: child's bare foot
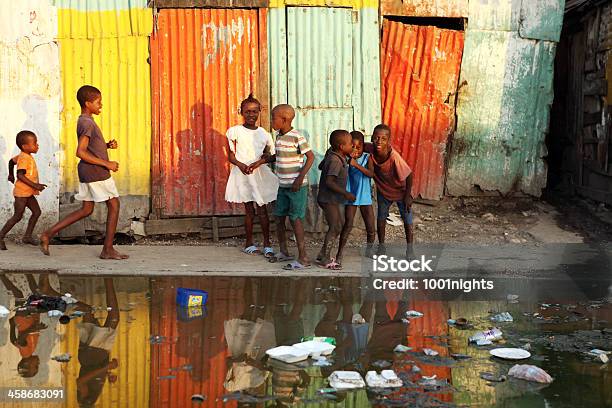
2 245
112 254
44 244
30 241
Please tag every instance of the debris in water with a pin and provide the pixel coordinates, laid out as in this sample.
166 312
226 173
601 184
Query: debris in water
493 378
451 322
77 313
413 314
381 364
54 313
46 303
601 355
343 380
483 342
358 319
321 362
64 319
185 367
502 318
400 348
530 373
69 299
166 377
430 352
512 298
416 369
491 335
62 358
458 356
386 379
156 339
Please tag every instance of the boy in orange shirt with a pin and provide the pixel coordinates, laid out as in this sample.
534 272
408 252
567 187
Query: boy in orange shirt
26 187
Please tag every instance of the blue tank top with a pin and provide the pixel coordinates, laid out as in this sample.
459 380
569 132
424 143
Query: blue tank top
359 184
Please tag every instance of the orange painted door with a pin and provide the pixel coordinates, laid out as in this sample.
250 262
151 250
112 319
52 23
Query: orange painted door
419 74
204 62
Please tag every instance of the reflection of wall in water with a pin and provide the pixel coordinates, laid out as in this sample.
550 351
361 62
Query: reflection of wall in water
131 347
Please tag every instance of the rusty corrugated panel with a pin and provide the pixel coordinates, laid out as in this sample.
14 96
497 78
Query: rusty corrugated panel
208 3
131 346
204 63
30 88
503 115
420 8
420 68
199 343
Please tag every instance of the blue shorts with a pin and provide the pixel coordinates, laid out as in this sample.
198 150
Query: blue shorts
292 204
384 205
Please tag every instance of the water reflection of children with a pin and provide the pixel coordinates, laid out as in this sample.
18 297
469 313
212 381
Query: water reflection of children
248 338
24 329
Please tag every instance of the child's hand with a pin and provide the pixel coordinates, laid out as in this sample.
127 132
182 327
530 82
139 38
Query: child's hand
349 196
244 169
353 162
112 166
11 178
297 184
254 167
112 144
40 187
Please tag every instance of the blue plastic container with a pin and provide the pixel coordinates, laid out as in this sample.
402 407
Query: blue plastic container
191 297
186 314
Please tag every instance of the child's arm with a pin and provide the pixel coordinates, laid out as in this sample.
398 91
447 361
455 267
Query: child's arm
297 184
332 184
11 173
21 176
83 154
231 156
367 171
408 194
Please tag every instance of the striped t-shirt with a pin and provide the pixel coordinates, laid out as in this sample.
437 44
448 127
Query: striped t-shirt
290 150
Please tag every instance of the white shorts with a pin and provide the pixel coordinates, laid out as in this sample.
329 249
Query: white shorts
98 191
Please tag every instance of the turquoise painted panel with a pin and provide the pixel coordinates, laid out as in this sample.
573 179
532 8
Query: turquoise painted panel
277 54
542 19
319 57
503 114
99 5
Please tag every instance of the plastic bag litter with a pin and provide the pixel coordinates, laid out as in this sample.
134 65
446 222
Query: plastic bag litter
601 355
491 335
4 312
416 369
530 373
288 354
198 398
358 319
430 352
68 299
62 358
54 313
315 348
344 380
502 318
483 342
413 314
451 321
321 362
400 348
386 379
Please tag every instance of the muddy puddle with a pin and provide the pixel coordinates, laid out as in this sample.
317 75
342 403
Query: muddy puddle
124 342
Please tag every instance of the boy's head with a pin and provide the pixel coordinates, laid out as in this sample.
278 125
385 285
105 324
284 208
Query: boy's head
282 116
250 109
341 142
358 141
381 138
28 366
90 99
27 141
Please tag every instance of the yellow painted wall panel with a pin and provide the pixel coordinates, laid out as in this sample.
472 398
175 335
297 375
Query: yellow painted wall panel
104 24
119 68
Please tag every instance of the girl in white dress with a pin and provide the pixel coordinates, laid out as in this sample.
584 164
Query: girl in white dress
251 181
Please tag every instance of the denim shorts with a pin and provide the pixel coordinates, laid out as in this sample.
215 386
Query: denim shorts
384 205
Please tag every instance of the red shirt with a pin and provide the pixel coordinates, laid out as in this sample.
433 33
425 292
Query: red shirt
390 175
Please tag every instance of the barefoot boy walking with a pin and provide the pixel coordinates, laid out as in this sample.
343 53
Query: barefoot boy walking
96 184
26 187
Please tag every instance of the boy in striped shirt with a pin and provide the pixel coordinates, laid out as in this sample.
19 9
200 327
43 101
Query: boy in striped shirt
291 169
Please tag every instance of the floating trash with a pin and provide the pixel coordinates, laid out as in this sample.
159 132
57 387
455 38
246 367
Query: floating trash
510 353
381 364
458 356
430 352
198 398
413 314
491 335
492 377
386 379
4 312
62 358
400 348
156 339
358 319
530 373
54 313
502 318
344 380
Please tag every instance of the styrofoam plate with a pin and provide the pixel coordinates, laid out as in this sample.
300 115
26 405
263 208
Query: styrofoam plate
316 348
510 353
288 354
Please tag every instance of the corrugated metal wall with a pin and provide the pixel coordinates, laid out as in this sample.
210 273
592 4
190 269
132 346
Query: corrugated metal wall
131 346
106 45
337 88
503 111
420 68
29 99
199 343
204 63
420 8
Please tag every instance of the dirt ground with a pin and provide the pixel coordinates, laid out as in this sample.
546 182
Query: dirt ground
490 220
